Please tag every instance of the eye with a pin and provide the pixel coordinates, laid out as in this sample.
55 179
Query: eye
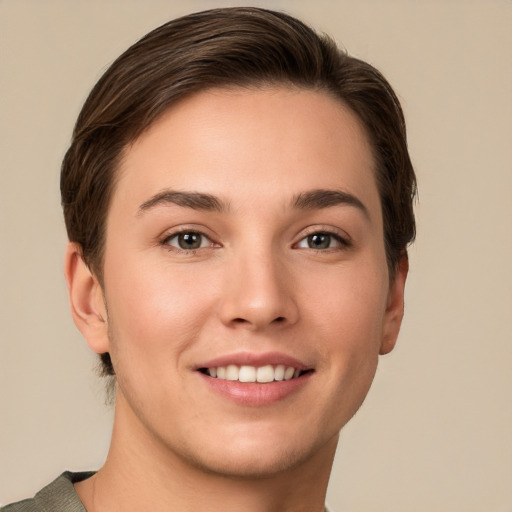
188 241
321 241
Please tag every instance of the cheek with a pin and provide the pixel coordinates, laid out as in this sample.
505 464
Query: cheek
347 302
153 308
347 311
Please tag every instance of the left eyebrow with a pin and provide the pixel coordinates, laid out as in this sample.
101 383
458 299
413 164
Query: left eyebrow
321 198
193 200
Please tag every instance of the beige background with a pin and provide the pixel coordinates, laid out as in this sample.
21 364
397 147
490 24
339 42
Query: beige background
435 434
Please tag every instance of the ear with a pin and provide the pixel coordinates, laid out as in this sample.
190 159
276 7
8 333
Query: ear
86 300
395 306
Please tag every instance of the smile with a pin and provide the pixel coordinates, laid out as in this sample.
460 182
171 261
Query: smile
255 380
261 374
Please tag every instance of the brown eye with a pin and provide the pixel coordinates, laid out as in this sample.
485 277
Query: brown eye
319 241
188 241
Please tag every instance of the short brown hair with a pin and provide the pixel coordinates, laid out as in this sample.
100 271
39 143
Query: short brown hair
229 47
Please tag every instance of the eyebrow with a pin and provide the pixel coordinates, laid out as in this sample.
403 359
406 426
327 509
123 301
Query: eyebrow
194 200
320 198
310 200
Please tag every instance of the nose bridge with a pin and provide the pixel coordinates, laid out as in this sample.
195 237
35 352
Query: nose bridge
259 290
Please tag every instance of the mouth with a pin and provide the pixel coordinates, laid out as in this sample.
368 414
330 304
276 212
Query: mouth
255 380
254 374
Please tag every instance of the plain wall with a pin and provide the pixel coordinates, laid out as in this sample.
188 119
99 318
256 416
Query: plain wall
435 433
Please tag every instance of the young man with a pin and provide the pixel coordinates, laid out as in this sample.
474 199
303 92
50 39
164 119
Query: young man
238 199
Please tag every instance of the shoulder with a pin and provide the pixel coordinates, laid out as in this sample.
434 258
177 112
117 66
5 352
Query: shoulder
21 506
58 496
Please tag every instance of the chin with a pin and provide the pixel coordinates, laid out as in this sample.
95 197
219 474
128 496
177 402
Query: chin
260 457
250 466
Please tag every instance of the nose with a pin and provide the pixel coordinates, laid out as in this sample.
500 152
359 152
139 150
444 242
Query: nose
258 294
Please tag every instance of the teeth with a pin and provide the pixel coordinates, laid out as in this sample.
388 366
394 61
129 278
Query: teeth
247 374
265 374
261 374
288 373
232 372
279 372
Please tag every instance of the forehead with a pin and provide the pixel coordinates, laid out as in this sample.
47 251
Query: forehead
252 143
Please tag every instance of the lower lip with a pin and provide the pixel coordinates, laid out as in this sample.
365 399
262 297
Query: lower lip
254 393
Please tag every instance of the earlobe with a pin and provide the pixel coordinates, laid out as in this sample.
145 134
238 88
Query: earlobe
395 306
86 300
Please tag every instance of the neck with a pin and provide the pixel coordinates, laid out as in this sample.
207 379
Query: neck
140 473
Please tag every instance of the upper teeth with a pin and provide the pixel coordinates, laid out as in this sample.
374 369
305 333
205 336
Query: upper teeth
266 373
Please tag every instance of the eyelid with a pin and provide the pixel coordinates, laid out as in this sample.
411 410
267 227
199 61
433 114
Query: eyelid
338 233
338 241
174 232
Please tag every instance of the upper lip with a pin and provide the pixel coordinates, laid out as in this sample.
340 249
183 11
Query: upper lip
252 359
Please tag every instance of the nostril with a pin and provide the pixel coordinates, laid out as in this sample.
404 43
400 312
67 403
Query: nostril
277 320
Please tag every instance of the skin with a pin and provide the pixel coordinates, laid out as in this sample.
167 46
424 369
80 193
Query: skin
254 286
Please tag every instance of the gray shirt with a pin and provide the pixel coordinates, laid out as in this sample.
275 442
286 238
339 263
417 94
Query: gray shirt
59 496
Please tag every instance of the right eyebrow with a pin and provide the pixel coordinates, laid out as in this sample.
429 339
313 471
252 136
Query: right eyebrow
194 200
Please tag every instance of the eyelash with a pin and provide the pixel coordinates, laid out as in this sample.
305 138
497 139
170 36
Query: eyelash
166 241
343 242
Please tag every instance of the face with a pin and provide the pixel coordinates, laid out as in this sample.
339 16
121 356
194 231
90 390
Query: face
245 280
